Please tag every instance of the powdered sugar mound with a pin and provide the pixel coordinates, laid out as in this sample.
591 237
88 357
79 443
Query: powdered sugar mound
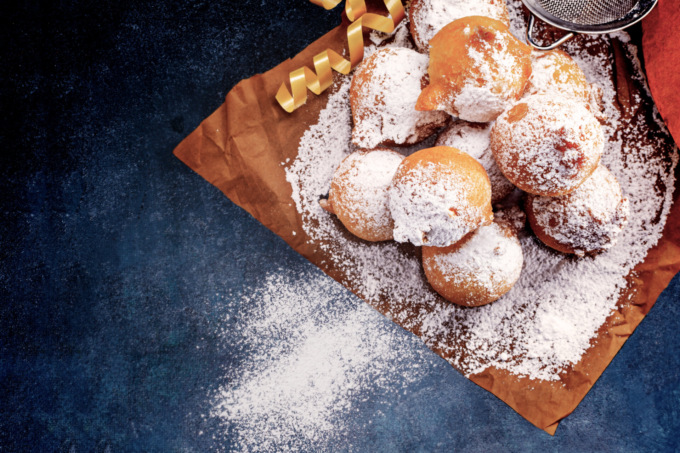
384 92
313 353
546 322
430 16
474 139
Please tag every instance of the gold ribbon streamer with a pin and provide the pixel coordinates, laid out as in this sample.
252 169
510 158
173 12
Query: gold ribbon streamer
317 81
328 4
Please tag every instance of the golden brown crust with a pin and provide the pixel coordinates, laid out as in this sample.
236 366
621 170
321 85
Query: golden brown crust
477 69
438 195
358 193
479 269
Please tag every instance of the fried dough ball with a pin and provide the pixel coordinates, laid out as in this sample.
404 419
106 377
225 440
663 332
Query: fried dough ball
358 194
557 72
547 144
477 70
474 139
588 220
477 270
383 96
427 17
437 196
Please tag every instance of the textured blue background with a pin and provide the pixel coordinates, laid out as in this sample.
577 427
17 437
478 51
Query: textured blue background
112 252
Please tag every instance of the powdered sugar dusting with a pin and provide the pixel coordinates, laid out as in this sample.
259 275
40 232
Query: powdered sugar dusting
547 144
358 195
546 322
492 90
400 36
490 257
474 139
314 351
555 72
321 150
384 94
586 220
430 204
547 76
518 23
430 16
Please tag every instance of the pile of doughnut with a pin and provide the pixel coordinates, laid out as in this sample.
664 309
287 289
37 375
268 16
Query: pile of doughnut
509 121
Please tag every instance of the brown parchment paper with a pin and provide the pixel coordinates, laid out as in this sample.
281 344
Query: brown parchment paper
240 149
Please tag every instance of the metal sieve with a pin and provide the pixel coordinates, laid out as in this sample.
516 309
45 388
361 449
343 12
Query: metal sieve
585 16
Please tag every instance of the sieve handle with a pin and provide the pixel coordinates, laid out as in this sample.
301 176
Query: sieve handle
552 46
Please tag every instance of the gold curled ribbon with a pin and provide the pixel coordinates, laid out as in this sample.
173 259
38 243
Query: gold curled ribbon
328 4
317 81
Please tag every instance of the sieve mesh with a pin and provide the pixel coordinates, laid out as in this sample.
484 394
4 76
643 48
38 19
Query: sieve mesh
588 12
585 16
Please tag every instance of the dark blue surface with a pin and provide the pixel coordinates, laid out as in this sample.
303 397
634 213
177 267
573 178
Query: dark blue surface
113 253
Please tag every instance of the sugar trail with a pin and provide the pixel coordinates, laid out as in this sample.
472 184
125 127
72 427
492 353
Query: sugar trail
314 353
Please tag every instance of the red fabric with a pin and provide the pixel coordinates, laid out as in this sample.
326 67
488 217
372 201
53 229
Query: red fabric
661 48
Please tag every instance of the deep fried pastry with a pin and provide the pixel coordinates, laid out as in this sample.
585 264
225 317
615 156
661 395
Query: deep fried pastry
556 72
547 144
477 270
588 220
427 17
383 96
358 194
437 196
477 70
